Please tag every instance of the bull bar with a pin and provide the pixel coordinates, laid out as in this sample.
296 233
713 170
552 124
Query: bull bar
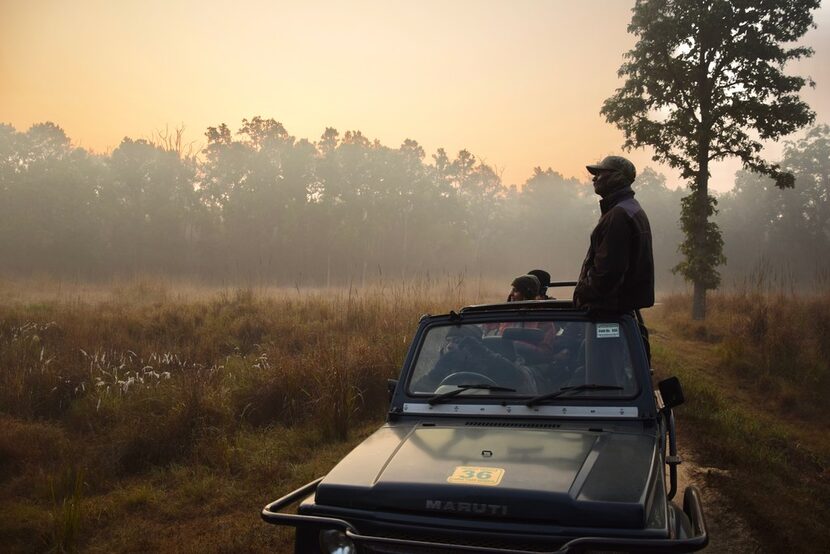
691 506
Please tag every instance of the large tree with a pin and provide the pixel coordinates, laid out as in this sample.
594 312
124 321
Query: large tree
704 82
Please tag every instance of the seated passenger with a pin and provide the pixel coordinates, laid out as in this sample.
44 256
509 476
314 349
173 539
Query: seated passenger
544 282
464 354
526 287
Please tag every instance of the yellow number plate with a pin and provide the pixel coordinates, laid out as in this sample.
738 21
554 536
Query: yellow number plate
472 475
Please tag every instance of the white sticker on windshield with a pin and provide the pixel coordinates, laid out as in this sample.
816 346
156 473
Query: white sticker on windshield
608 330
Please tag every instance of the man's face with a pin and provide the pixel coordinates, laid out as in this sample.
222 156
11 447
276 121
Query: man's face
451 343
602 182
516 295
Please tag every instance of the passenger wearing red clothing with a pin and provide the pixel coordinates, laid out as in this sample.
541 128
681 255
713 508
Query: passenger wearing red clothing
545 346
527 287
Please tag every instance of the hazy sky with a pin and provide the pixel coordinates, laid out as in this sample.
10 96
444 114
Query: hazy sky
518 83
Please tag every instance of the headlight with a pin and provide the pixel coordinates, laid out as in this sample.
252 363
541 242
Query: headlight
333 541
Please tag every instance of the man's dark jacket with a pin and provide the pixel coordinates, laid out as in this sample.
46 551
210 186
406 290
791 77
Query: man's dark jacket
618 272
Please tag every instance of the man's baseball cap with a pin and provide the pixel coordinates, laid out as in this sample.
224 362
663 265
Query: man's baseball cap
615 163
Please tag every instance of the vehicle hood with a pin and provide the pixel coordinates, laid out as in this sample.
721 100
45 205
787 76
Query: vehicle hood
563 477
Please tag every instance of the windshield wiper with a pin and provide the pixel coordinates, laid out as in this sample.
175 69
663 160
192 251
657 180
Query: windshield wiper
565 390
461 388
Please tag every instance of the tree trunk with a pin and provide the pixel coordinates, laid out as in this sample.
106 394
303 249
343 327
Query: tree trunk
699 303
701 204
701 218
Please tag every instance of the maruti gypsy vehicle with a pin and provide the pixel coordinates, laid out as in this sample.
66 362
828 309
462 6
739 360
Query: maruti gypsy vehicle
522 427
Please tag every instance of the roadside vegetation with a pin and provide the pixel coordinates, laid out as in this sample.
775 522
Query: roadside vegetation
756 379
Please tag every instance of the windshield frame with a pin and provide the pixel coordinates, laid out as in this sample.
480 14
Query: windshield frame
525 315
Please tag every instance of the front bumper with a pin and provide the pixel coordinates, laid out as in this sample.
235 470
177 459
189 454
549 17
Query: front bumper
697 539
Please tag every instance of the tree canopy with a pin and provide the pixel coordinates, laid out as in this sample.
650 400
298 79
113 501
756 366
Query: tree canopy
259 204
706 81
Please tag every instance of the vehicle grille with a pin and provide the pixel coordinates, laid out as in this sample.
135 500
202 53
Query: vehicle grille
484 423
395 549
482 543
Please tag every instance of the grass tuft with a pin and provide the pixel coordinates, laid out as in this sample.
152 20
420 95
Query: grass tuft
67 511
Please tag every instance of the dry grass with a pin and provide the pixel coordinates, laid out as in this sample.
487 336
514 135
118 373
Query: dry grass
141 416
144 416
776 344
757 379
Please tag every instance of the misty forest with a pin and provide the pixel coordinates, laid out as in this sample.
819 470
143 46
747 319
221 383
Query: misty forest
259 205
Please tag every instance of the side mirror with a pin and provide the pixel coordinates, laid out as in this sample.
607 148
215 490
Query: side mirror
391 385
671 392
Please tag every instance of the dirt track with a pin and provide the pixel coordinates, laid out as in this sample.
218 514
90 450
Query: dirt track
728 532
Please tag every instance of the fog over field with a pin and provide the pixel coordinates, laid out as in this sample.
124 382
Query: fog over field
258 205
363 141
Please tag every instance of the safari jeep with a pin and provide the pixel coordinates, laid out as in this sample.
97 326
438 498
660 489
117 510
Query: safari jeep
514 428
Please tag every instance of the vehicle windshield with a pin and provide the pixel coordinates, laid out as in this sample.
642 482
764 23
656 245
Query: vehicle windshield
525 359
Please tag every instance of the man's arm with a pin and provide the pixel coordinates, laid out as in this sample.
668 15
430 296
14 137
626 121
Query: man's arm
611 258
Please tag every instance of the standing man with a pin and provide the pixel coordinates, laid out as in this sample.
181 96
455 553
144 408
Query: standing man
618 272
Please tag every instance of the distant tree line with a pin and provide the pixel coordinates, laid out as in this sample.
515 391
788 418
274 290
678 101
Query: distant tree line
261 205
785 232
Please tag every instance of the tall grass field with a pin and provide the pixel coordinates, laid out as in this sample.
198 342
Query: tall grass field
145 416
151 416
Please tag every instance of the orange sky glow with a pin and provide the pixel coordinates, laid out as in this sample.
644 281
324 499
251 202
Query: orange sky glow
517 83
